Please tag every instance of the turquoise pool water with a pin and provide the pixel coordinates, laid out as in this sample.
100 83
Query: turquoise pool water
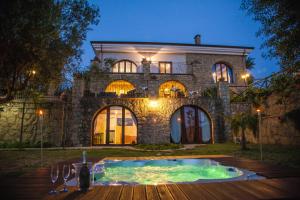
161 171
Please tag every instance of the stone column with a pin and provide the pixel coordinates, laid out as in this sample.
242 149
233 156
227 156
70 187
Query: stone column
146 70
224 96
77 94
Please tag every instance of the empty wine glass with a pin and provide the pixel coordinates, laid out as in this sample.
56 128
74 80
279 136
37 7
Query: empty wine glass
54 176
65 174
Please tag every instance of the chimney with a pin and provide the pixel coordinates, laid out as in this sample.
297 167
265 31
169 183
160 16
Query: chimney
197 39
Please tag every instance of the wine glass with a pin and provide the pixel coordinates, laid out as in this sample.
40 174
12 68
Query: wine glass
65 174
54 177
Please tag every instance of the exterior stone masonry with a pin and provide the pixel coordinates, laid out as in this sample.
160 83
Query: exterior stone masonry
75 120
21 116
154 125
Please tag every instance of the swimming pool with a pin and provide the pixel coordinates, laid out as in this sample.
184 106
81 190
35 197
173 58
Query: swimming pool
153 172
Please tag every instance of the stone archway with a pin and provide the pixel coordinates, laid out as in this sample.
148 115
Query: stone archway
191 125
115 125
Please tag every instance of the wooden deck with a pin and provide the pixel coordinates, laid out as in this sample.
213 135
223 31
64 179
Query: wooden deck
282 183
247 190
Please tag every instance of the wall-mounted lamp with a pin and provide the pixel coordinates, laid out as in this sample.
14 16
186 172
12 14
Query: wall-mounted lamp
153 103
146 60
40 112
245 76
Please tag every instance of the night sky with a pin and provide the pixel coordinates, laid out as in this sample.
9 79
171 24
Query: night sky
220 22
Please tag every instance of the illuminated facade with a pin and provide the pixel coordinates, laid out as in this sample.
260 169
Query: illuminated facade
152 93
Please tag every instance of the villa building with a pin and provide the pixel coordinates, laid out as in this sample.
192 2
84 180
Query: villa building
150 92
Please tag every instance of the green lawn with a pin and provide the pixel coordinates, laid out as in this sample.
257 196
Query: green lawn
16 162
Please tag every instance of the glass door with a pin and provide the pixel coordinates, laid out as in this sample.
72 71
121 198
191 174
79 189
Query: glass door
115 125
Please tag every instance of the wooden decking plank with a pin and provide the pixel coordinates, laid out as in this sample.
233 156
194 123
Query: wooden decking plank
115 192
139 192
127 192
258 190
176 193
235 192
287 186
267 189
151 193
214 190
225 191
163 192
194 193
101 193
91 194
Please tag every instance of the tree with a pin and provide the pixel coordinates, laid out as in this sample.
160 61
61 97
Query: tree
280 24
40 41
242 121
250 63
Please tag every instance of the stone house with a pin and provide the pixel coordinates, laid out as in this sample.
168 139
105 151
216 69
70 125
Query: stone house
150 92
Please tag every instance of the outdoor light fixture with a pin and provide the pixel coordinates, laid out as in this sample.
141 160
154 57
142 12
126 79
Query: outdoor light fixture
245 76
40 112
33 72
146 60
153 103
259 132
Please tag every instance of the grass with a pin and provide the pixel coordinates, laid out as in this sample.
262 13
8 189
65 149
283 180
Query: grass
17 162
158 146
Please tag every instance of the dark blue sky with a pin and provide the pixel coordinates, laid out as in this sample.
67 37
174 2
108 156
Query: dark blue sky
218 21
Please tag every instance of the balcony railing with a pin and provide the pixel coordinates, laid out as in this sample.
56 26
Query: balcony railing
177 68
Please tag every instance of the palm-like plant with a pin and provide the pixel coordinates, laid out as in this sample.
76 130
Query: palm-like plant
242 121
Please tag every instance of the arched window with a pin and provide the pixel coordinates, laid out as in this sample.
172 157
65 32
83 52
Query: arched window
172 89
124 66
119 87
115 125
222 71
190 124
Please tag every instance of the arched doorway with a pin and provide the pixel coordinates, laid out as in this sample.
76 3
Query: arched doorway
114 125
190 125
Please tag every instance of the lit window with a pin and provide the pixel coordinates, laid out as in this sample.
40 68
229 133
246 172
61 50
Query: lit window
222 71
172 89
119 87
124 66
165 67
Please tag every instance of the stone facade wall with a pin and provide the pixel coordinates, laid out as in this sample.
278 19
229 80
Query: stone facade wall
275 128
153 124
12 116
202 67
197 78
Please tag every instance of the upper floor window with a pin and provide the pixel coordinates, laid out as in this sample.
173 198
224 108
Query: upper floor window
222 72
124 66
165 67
